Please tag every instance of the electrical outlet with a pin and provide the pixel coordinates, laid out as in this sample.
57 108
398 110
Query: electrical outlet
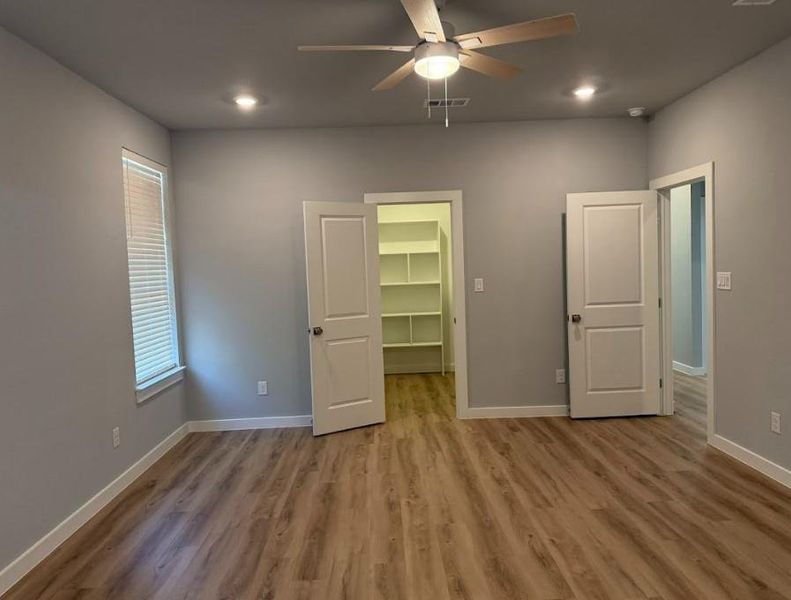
560 376
116 437
263 388
774 424
478 284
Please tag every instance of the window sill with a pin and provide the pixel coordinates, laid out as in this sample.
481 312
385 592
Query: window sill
159 384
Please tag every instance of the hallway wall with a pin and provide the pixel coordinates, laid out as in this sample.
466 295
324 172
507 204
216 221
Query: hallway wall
687 231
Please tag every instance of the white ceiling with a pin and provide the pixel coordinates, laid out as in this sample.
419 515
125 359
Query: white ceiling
179 61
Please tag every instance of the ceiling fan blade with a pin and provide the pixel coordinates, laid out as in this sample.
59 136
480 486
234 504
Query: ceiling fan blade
425 18
363 47
395 77
487 65
520 32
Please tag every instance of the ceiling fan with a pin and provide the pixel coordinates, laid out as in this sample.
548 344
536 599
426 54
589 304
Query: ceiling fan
436 57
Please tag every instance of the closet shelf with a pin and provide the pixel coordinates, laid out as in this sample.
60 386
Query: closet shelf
413 314
397 283
410 267
407 252
413 345
417 247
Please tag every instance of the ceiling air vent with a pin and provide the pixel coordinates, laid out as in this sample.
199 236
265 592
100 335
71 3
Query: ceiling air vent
450 103
753 2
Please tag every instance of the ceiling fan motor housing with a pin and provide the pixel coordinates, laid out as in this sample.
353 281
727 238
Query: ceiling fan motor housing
427 49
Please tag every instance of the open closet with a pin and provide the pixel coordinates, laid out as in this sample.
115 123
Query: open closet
416 287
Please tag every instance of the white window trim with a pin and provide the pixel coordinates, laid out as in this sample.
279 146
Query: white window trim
159 383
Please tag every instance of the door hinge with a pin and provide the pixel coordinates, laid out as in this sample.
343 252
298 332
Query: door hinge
660 303
661 383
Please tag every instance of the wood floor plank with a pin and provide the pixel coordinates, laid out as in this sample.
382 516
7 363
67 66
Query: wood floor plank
430 507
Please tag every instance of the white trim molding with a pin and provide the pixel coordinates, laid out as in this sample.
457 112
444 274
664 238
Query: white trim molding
687 370
765 466
157 385
663 185
515 412
454 197
251 423
15 571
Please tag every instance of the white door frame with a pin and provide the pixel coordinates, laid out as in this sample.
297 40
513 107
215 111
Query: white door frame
459 287
662 185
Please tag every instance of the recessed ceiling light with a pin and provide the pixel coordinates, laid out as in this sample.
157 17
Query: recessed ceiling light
245 102
636 111
584 92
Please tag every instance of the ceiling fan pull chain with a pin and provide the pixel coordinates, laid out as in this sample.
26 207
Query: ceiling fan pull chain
446 102
428 92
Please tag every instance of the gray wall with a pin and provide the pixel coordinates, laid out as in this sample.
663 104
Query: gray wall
66 363
239 197
688 270
740 121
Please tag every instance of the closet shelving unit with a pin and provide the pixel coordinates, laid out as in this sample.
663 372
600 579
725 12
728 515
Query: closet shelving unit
411 280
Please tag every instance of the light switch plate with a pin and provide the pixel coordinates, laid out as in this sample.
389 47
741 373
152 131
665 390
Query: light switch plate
774 422
723 280
478 284
263 388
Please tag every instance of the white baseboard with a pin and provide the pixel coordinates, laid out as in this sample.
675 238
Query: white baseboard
251 423
515 412
751 459
687 370
12 573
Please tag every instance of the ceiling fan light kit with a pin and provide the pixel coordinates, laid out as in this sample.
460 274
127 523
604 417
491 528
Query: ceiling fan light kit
436 61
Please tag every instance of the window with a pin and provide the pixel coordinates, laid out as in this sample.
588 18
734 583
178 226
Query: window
154 326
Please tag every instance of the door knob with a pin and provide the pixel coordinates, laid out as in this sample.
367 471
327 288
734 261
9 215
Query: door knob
576 318
317 331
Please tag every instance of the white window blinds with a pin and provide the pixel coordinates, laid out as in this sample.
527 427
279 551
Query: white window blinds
150 275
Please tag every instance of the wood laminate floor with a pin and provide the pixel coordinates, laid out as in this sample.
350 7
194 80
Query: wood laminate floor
428 507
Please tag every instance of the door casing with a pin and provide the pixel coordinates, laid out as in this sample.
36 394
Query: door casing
454 197
663 185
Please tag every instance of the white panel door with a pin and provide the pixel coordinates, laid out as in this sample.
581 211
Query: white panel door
612 259
345 321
